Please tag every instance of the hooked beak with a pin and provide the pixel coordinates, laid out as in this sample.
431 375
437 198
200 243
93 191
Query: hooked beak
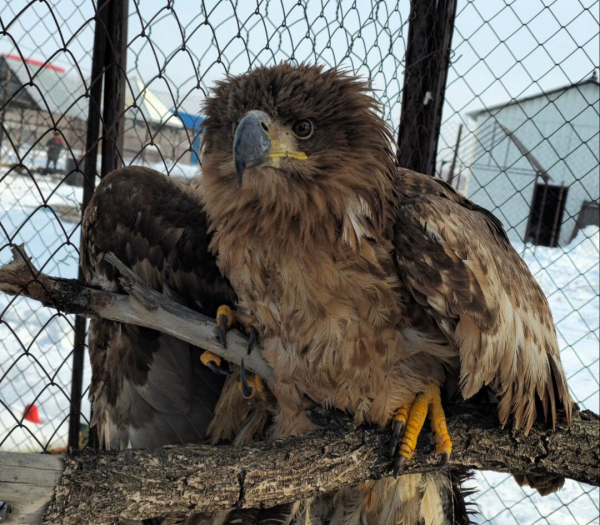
253 145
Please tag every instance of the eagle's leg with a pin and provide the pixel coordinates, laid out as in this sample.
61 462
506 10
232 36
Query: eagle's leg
399 424
427 402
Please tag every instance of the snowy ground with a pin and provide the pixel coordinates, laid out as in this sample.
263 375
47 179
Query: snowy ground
36 343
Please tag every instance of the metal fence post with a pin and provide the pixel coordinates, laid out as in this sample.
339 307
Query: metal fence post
101 60
114 87
427 59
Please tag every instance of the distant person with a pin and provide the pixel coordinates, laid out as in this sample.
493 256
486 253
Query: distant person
53 148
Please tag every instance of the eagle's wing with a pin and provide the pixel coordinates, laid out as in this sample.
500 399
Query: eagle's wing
149 389
457 262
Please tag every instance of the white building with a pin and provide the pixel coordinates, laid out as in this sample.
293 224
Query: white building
535 163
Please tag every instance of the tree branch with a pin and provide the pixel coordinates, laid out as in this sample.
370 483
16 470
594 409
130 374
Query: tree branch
103 487
143 306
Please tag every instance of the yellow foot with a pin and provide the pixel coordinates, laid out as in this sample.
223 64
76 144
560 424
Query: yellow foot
410 419
247 385
215 363
224 322
250 385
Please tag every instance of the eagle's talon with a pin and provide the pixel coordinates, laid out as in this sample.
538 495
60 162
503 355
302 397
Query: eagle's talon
223 330
398 464
215 363
218 370
399 425
398 429
252 338
445 460
245 388
250 385
411 417
225 322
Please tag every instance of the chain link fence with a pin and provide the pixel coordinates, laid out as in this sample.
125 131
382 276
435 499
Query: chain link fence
519 136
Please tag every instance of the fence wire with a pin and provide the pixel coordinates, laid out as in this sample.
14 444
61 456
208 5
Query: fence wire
520 136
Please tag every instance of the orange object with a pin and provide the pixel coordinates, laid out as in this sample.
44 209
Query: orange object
31 414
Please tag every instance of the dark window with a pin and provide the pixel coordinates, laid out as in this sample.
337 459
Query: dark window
545 217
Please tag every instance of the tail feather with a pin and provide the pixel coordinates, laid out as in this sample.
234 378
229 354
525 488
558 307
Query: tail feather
545 484
444 499
437 498
462 510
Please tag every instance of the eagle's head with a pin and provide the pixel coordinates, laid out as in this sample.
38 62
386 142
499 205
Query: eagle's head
299 142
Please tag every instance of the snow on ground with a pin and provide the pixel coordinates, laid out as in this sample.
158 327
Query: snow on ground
36 343
34 158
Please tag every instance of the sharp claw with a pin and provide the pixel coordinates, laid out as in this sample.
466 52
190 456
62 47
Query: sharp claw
251 340
246 390
398 427
444 461
398 464
223 321
217 369
215 364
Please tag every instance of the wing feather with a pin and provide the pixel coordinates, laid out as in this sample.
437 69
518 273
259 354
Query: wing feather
458 264
149 389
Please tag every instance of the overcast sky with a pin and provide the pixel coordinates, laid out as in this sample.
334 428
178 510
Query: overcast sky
501 50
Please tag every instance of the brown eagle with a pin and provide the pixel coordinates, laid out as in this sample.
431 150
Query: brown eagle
372 289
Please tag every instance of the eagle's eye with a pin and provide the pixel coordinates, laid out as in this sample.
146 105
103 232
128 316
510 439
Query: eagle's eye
303 129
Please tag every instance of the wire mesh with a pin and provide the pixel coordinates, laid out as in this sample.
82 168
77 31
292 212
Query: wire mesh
520 89
43 111
523 91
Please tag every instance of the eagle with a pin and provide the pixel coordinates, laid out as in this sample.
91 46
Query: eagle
371 289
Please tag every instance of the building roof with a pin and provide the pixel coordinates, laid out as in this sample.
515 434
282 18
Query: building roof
535 164
593 79
148 106
53 89
63 93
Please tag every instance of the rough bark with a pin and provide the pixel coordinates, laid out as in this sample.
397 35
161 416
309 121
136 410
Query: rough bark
101 487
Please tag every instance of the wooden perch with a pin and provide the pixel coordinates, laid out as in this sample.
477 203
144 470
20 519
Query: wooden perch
103 487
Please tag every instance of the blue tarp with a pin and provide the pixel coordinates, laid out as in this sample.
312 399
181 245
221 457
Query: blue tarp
192 122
